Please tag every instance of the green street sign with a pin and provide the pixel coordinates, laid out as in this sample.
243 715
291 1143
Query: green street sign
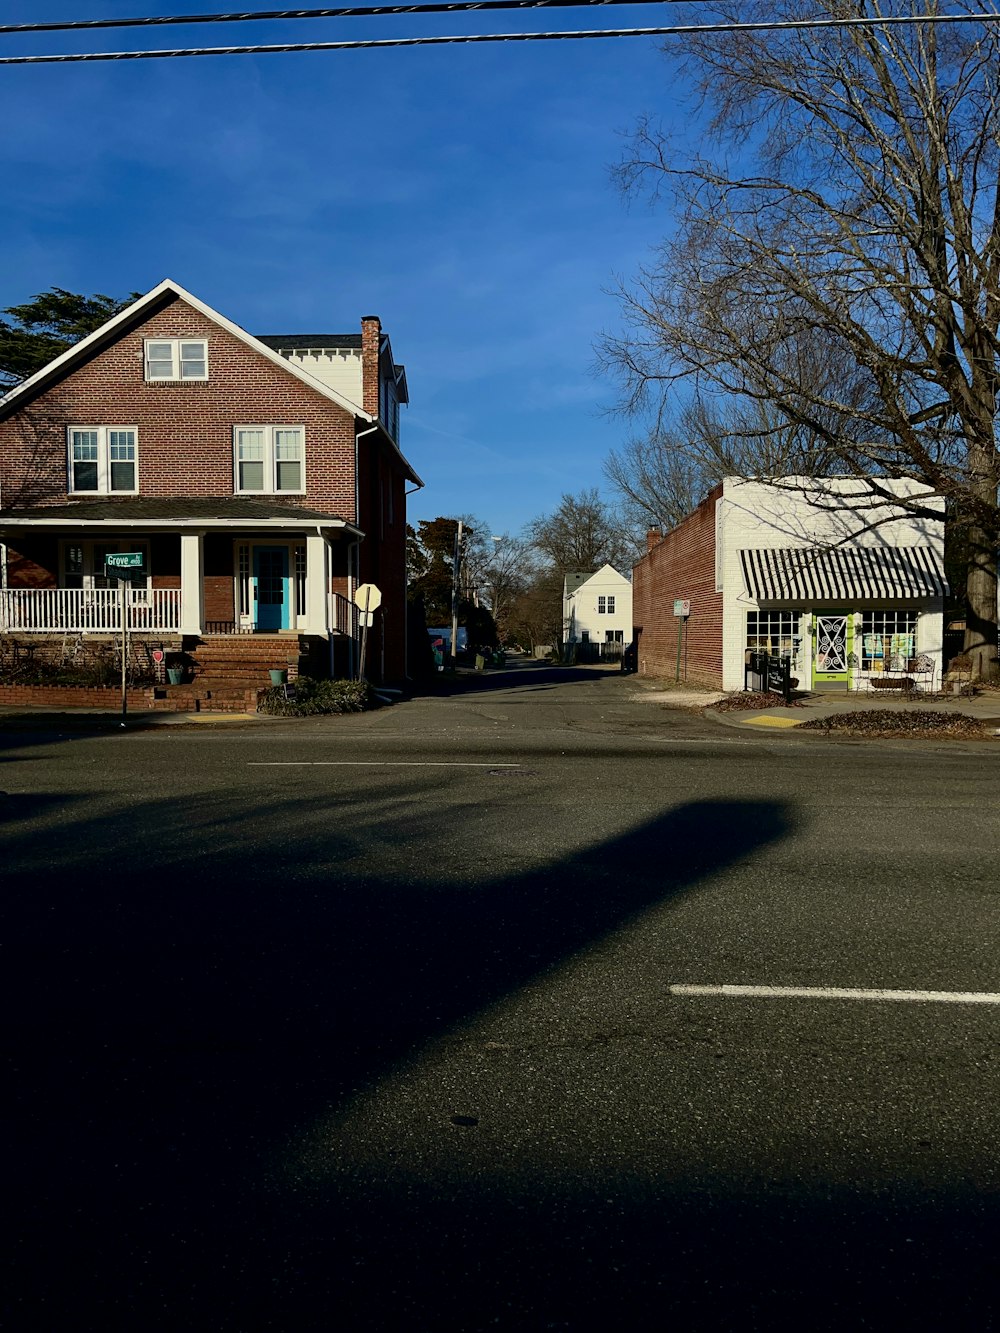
123 560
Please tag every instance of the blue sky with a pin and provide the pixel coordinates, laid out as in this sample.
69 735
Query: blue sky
461 193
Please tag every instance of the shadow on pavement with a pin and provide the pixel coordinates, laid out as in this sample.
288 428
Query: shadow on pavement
183 1004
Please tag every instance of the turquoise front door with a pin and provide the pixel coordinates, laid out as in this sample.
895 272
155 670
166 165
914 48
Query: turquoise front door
270 587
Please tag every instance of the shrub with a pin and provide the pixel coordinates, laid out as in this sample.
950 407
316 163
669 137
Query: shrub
318 696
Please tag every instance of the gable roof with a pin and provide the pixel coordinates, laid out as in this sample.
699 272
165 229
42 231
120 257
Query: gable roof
574 582
158 296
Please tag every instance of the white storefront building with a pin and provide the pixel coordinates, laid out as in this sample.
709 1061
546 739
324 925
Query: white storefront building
849 586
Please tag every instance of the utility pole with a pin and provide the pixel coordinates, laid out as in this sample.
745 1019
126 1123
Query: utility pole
454 592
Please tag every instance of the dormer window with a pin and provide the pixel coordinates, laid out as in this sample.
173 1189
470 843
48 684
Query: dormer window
175 359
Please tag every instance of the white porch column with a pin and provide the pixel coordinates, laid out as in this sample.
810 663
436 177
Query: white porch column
317 584
192 591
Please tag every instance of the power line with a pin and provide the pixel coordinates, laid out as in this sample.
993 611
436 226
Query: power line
349 11
375 43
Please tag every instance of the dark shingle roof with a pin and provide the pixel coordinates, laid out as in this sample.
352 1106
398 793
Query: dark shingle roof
291 342
574 581
171 508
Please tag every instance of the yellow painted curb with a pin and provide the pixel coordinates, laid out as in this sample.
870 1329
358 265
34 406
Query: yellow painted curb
766 721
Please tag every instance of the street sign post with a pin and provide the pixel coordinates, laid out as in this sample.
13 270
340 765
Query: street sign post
682 609
121 565
369 599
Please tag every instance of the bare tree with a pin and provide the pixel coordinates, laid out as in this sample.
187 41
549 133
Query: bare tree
504 575
843 276
583 533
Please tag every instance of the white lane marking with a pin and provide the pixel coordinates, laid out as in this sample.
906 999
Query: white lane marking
841 993
369 763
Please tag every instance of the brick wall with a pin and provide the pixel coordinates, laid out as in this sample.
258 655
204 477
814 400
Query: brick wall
682 565
371 339
185 430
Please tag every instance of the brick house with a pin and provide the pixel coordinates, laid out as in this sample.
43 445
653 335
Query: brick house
850 589
260 478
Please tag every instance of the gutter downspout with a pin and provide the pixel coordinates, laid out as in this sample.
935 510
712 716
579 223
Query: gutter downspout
354 581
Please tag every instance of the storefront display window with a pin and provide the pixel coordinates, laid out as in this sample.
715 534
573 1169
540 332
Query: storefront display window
773 632
887 635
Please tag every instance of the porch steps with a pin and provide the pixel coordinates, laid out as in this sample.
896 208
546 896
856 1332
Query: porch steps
204 698
239 661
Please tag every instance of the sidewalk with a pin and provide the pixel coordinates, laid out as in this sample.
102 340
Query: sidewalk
984 707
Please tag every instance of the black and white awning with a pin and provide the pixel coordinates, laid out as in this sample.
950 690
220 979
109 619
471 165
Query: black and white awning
843 574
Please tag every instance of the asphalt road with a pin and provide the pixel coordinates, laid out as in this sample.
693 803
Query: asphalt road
373 1022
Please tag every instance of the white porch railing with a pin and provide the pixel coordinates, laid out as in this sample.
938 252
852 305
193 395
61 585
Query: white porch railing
48 610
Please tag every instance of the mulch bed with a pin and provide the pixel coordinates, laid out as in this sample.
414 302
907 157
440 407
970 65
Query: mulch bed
919 723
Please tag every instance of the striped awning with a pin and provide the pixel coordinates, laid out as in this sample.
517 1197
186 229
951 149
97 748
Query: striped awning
843 574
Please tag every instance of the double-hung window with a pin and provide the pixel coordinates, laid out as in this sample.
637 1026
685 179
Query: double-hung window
103 460
270 460
601 605
176 359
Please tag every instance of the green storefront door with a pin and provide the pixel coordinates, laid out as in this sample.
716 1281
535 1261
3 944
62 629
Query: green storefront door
833 632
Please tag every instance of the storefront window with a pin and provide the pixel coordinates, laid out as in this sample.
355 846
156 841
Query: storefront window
886 635
773 632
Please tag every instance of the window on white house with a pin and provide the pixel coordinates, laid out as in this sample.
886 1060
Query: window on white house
176 359
270 460
601 605
611 606
102 460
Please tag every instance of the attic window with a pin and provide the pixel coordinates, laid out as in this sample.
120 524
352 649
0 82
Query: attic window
175 359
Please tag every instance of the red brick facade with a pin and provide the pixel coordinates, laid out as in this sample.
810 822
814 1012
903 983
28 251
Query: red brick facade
184 429
681 566
185 449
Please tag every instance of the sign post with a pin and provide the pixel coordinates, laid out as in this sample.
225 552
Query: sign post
368 598
682 609
121 565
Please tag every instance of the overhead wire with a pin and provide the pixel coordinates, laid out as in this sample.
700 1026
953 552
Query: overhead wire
284 48
343 11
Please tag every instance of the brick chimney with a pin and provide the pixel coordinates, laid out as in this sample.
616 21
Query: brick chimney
371 340
653 538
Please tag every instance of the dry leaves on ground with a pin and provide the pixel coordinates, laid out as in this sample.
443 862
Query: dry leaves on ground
748 699
884 722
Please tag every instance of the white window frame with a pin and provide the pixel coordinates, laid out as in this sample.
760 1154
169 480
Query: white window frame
602 605
180 366
91 572
270 460
611 603
885 633
103 460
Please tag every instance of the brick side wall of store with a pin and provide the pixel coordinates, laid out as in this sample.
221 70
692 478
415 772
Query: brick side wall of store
680 566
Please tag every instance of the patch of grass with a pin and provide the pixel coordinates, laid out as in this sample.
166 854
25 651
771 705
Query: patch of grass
318 697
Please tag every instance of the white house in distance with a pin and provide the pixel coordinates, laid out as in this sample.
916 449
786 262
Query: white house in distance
849 587
597 614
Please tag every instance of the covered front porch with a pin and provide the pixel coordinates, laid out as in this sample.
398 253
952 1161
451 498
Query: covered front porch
234 568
